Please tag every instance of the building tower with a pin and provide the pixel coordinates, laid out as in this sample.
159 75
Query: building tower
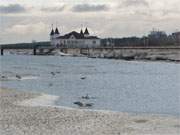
56 34
52 34
86 33
81 32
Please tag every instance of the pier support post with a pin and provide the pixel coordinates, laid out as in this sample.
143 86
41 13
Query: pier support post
2 51
80 50
34 51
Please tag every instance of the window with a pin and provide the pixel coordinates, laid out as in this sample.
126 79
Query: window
72 37
94 42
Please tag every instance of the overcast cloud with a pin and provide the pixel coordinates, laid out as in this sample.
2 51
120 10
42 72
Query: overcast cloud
90 8
54 8
27 20
135 3
12 8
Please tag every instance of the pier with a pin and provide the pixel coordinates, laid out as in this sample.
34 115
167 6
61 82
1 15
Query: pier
171 53
35 49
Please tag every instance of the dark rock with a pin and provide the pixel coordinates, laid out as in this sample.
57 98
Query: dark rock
85 97
3 77
89 104
83 78
160 58
18 76
128 58
52 73
79 103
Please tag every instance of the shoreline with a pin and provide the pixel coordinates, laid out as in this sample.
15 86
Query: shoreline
32 119
168 57
46 100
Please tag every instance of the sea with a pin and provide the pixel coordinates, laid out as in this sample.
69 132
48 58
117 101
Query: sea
106 84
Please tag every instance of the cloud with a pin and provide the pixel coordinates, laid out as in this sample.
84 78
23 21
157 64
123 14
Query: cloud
12 8
23 29
54 9
90 8
129 3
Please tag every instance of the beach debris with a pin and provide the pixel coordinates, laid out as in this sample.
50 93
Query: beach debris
52 73
18 76
81 104
85 97
83 78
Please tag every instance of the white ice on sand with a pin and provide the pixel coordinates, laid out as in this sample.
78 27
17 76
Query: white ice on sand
42 100
29 78
59 53
42 120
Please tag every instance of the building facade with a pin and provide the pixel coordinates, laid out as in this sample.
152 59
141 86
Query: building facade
176 37
74 39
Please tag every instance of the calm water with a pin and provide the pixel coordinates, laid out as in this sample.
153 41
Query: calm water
145 87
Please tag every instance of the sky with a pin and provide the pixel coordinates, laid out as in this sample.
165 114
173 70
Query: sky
28 20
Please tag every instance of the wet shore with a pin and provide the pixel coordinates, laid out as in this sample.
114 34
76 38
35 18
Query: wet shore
23 113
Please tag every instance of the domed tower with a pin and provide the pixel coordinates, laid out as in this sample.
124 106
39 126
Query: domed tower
86 33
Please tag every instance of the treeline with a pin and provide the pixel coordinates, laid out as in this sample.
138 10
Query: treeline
155 38
25 45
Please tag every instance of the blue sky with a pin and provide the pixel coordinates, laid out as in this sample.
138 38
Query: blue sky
27 20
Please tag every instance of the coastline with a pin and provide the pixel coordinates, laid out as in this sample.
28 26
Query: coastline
149 55
32 113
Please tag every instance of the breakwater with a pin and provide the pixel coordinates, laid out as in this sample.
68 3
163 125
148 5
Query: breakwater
165 53
128 53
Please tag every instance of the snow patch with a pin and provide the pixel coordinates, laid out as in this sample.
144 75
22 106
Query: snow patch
29 77
43 100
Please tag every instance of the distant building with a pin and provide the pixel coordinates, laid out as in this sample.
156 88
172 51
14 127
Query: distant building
176 37
74 39
157 34
157 38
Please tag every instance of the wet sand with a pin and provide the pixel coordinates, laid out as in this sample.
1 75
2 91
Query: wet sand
20 114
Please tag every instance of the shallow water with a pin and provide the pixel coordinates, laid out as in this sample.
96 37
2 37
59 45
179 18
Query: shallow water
142 87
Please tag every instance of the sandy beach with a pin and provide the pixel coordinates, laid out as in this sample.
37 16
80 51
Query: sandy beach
23 113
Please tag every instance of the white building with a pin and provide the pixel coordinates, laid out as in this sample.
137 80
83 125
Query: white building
74 39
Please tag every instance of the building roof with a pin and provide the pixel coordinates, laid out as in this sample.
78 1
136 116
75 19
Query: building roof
86 32
81 32
52 32
77 36
56 31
